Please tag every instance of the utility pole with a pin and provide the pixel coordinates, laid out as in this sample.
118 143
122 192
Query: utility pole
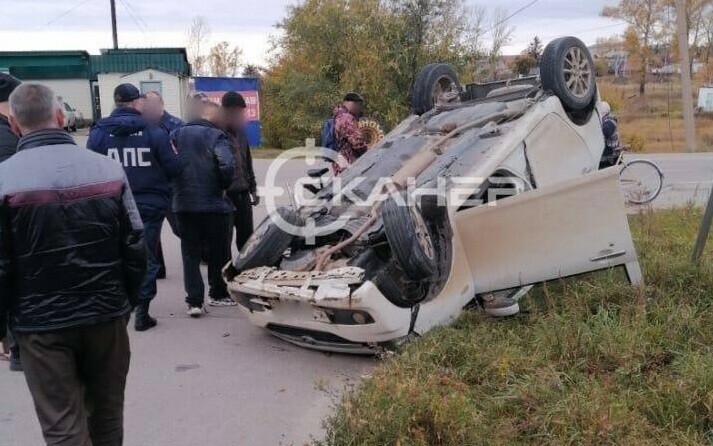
113 24
689 124
686 89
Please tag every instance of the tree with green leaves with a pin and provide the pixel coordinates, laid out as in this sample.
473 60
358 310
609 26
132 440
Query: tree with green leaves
375 47
646 28
534 49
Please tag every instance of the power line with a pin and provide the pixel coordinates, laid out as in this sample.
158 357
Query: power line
500 22
134 19
578 31
65 13
136 13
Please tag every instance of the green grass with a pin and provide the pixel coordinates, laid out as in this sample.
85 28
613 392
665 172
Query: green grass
588 361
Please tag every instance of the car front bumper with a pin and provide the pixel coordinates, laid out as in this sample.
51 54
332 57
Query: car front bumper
336 310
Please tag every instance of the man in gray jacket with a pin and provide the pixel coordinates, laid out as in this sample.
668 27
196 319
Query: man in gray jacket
72 260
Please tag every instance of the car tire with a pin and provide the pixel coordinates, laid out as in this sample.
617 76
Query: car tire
432 83
410 239
268 242
567 70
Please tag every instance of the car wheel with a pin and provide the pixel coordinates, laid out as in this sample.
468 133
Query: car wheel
436 84
567 70
268 242
410 239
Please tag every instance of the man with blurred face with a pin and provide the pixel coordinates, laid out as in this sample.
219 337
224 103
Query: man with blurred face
349 142
204 213
243 189
155 112
145 152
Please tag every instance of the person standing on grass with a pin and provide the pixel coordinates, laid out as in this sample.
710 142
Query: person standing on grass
156 114
204 213
8 147
67 216
348 140
243 190
145 152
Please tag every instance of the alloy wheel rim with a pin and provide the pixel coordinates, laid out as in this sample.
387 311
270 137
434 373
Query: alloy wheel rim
577 72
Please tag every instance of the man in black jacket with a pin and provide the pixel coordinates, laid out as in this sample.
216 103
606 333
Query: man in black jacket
8 139
72 260
8 146
201 206
243 189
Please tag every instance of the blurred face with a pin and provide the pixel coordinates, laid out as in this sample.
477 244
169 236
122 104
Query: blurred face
195 108
355 108
235 117
214 114
153 108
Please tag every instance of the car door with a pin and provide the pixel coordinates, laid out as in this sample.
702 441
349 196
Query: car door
555 231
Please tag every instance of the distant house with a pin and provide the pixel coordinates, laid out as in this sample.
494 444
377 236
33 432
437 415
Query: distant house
670 69
165 70
86 82
705 99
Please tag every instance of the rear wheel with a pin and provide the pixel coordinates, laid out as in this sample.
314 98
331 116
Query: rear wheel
436 84
567 70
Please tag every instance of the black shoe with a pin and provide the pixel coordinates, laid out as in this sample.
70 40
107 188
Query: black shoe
15 362
142 319
161 274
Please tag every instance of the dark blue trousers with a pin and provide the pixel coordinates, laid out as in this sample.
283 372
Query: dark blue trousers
153 221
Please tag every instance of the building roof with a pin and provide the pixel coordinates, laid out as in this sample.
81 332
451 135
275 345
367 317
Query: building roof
39 65
46 64
131 60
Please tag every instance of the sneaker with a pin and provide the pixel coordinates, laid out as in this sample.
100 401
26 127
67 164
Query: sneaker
500 306
196 311
224 302
15 362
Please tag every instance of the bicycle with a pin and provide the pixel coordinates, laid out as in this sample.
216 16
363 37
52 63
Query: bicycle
641 180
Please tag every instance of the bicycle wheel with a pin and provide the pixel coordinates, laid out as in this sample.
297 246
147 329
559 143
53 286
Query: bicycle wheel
641 181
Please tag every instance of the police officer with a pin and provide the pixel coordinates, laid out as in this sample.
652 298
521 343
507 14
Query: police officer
150 163
155 112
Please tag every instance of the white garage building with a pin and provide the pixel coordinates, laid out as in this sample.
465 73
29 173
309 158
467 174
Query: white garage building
86 82
172 87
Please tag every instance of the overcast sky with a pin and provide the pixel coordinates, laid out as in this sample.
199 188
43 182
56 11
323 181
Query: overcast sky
85 24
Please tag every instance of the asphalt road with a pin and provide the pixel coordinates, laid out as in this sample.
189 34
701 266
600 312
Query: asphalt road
220 381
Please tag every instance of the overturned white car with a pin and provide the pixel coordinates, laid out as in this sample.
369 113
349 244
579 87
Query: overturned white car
481 194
